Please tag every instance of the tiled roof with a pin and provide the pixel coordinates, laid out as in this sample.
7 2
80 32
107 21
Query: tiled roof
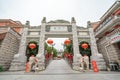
95 24
11 21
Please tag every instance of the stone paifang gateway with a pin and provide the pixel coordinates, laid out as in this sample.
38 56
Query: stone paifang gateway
107 33
56 29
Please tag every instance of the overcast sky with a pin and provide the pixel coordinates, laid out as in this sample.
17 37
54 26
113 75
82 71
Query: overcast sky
35 10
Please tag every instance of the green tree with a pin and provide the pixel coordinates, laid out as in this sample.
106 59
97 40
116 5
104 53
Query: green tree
68 48
49 49
54 52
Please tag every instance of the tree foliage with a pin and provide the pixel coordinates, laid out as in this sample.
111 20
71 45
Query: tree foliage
50 49
68 48
54 52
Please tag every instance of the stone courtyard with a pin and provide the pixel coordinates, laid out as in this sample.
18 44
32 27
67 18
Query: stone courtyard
60 70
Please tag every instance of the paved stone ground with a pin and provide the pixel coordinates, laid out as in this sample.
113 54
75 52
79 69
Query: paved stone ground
60 70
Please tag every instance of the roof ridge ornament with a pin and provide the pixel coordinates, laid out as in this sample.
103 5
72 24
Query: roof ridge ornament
44 20
73 20
27 24
88 24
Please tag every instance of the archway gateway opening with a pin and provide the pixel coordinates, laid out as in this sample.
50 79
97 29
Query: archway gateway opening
56 48
85 49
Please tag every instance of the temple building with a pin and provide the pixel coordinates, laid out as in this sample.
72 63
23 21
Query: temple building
9 41
107 34
16 25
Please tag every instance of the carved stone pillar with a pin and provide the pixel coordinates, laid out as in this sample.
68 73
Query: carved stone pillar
41 52
95 54
19 60
77 56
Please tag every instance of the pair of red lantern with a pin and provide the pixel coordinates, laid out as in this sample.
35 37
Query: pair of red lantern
67 41
84 45
32 45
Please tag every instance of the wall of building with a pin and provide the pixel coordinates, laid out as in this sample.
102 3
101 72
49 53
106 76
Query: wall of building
111 52
107 34
9 48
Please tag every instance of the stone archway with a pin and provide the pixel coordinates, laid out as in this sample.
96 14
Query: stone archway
57 28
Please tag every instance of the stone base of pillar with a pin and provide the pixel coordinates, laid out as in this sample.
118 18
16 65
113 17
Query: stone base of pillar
76 62
41 63
101 64
41 66
17 64
76 66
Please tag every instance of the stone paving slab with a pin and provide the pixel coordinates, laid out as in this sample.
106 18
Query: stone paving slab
82 76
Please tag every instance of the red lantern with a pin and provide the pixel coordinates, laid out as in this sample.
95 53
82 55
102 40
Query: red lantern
32 45
84 45
67 41
50 41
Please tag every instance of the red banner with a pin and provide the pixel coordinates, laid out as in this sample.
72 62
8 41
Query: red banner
95 68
